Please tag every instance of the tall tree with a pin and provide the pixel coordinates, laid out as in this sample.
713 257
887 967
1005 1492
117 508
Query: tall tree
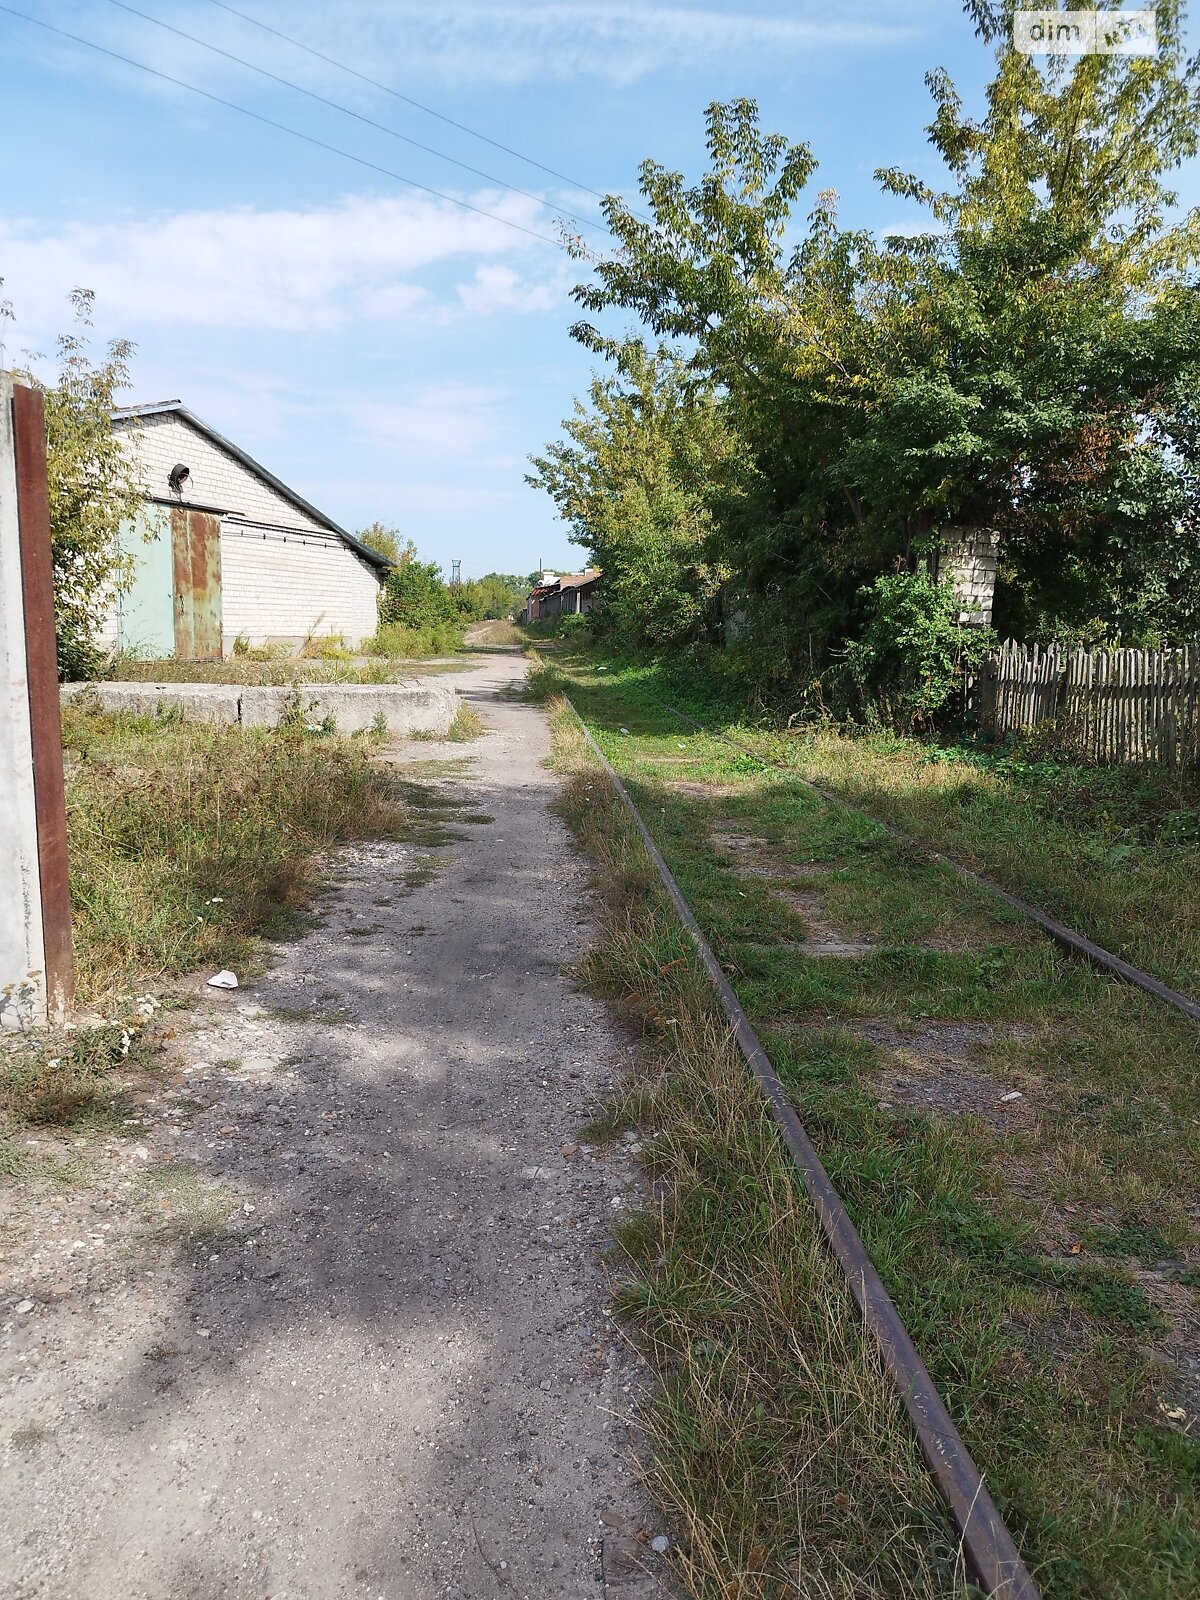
1018 363
1051 322
388 542
634 483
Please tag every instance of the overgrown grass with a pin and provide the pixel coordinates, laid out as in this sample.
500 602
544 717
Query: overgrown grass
1112 851
439 639
188 839
496 633
188 843
1008 1233
780 1449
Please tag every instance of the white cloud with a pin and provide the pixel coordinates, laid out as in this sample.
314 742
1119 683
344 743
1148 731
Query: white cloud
455 419
408 42
316 270
496 287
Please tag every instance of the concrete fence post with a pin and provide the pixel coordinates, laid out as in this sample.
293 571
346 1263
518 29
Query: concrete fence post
36 962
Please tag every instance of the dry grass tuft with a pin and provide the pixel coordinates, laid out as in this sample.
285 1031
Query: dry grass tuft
496 633
187 839
188 843
780 1450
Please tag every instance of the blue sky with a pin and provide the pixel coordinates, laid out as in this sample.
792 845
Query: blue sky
389 354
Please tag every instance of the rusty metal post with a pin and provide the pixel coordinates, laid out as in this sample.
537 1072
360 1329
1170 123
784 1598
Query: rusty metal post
36 959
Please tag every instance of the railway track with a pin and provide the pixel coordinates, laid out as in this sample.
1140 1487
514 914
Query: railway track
1076 943
990 1554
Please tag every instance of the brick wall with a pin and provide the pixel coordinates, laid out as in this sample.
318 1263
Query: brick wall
969 561
218 478
285 586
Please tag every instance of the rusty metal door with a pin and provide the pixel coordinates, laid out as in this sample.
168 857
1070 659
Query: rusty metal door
196 555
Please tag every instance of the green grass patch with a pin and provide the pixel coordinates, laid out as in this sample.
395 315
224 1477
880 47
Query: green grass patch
279 670
1005 1235
781 1456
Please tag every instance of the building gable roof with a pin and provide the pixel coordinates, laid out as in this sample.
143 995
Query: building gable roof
177 408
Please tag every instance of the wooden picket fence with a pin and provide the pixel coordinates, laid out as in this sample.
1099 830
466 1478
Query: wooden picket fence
1112 705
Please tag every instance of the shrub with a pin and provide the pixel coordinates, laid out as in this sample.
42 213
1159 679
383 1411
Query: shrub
394 639
414 596
560 627
909 658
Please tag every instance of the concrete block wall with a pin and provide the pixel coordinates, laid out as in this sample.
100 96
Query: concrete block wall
415 707
278 586
969 561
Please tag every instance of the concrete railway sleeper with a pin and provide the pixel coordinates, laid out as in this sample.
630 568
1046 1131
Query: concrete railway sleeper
1076 943
992 1558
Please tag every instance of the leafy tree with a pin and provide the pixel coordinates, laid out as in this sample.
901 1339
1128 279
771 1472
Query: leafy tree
773 329
496 594
634 483
388 542
95 486
1024 364
1052 321
414 596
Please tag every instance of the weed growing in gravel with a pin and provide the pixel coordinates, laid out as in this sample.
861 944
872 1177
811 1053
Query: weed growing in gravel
183 1203
65 1077
467 725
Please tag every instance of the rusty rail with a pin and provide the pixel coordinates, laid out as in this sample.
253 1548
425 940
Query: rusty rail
1076 943
992 1558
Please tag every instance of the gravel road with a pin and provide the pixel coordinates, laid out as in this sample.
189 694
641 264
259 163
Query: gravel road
328 1317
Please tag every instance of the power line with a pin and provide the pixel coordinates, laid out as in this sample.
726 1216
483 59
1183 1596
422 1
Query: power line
407 99
281 127
584 222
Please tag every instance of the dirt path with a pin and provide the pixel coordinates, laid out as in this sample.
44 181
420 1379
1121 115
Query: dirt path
330 1318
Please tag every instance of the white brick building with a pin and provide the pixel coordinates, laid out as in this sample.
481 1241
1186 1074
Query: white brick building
230 552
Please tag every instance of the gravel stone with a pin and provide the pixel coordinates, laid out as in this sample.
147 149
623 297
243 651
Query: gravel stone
288 1339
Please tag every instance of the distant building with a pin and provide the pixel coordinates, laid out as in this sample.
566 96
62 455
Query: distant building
565 595
223 549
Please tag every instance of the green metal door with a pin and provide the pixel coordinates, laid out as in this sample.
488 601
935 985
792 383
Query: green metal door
146 604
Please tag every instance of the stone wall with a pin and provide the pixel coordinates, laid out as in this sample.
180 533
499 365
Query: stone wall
969 561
